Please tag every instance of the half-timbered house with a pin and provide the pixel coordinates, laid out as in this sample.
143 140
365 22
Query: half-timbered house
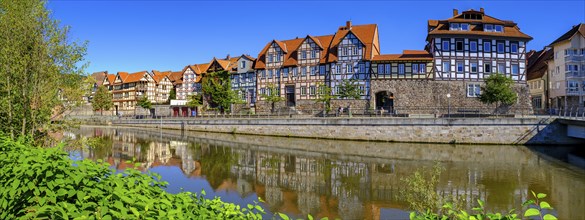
163 86
243 78
192 75
129 88
469 47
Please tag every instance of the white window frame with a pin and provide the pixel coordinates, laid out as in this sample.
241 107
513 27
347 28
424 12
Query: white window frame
473 90
457 65
487 46
401 69
515 69
349 68
471 67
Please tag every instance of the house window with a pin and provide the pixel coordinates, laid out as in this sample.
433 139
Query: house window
473 90
269 73
344 51
445 44
487 68
514 47
422 68
401 68
322 70
303 71
454 26
473 67
459 67
499 28
488 27
262 91
473 46
338 69
572 86
362 68
464 27
313 54
243 64
285 72
304 55
515 70
356 50
380 68
270 58
313 70
487 46
278 58
501 68
388 68
349 68
414 68
312 90
295 71
500 47
459 45
446 67
303 90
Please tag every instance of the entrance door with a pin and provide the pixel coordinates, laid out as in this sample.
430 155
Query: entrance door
290 95
385 100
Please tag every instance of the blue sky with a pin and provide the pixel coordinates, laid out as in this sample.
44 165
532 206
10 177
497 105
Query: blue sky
132 35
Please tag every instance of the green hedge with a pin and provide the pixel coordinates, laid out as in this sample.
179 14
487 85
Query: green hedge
45 183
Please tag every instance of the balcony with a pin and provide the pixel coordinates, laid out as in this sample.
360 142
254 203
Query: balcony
574 58
573 73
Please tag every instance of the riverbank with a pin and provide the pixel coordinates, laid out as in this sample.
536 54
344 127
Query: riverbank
515 131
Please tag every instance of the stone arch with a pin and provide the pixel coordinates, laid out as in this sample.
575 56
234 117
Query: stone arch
384 99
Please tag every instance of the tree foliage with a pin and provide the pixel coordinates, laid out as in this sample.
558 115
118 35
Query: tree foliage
324 96
349 89
144 102
38 67
498 89
217 90
195 101
272 97
172 95
102 100
44 183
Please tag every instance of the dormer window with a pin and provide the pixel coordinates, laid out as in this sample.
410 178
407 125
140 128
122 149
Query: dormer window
459 26
243 64
499 28
488 27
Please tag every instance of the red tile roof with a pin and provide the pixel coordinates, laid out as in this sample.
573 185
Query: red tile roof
537 65
135 77
407 55
580 28
437 28
158 76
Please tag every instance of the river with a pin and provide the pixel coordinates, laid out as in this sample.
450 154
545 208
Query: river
337 179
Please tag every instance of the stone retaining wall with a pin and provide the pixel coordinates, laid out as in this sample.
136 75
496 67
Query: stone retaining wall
422 130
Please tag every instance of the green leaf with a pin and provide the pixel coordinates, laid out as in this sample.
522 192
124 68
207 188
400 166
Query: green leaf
531 212
412 215
541 195
309 217
283 216
472 218
545 205
135 212
549 217
480 203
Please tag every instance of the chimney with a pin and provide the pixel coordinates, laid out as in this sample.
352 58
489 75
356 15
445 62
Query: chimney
455 12
348 25
481 10
227 57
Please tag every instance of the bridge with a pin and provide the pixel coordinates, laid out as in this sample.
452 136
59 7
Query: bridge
575 126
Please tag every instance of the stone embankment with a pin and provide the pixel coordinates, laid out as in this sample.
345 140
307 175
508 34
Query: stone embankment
416 130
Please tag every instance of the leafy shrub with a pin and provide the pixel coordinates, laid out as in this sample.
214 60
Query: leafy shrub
46 183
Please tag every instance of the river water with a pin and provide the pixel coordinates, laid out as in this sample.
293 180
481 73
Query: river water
337 179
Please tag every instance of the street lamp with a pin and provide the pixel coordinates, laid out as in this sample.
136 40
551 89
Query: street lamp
449 105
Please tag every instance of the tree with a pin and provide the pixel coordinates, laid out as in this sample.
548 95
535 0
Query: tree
217 90
324 96
39 66
272 97
102 100
144 102
349 89
194 101
172 95
498 89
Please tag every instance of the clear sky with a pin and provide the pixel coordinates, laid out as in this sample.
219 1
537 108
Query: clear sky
132 35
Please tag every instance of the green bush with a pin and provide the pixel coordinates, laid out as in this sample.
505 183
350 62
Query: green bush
46 183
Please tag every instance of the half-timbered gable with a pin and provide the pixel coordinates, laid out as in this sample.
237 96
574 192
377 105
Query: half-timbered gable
472 45
163 85
129 88
190 84
243 78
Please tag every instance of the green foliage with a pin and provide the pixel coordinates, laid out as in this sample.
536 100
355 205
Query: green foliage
37 183
39 68
349 89
272 97
324 96
195 101
217 90
172 95
421 189
144 102
498 89
102 100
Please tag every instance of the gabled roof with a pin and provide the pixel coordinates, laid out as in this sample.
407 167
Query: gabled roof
176 77
437 28
110 78
122 76
580 28
537 65
407 55
366 34
99 77
158 76
247 57
135 77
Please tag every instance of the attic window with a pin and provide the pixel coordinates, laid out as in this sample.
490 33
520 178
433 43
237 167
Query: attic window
472 16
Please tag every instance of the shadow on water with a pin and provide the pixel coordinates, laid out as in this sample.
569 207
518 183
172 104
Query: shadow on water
337 179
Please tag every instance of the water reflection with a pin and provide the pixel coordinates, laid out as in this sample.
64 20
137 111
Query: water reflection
337 179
